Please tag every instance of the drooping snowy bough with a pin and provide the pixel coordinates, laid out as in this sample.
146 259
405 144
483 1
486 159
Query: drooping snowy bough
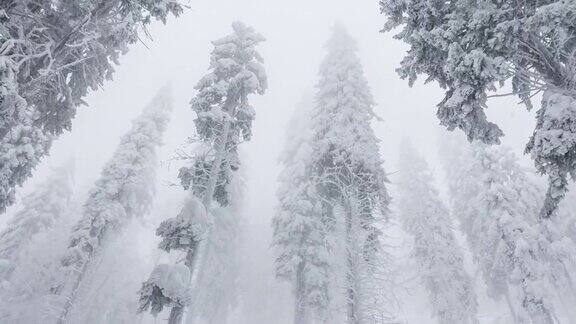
471 47
125 190
224 119
435 249
52 53
333 198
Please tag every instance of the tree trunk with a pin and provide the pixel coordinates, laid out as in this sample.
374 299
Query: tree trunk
351 275
300 302
220 150
176 315
191 261
70 293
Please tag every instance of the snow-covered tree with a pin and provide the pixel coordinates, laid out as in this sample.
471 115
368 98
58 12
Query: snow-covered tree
52 53
223 120
40 210
25 296
300 228
472 47
347 167
435 249
342 185
125 190
497 207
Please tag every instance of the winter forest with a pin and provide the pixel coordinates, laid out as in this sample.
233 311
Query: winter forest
305 162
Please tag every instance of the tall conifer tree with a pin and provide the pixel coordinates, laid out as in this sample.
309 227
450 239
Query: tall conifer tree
124 191
224 120
343 190
436 251
40 210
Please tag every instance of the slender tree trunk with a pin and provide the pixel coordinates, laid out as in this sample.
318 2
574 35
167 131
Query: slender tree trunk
216 166
191 261
70 293
351 303
176 315
351 273
300 302
196 255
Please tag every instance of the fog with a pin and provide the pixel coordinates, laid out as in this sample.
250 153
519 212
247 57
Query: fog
296 31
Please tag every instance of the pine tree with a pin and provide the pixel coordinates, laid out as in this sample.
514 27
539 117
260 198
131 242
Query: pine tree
346 163
224 120
41 209
342 186
300 229
437 254
25 296
471 47
497 208
52 53
125 190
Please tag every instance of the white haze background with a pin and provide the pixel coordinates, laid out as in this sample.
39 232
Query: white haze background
296 32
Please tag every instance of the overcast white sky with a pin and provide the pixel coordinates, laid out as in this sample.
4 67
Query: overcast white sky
296 31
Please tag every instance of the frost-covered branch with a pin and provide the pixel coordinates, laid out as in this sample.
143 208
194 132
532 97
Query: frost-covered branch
472 49
53 53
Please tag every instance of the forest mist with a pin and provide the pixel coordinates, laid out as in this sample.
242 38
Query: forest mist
176 54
